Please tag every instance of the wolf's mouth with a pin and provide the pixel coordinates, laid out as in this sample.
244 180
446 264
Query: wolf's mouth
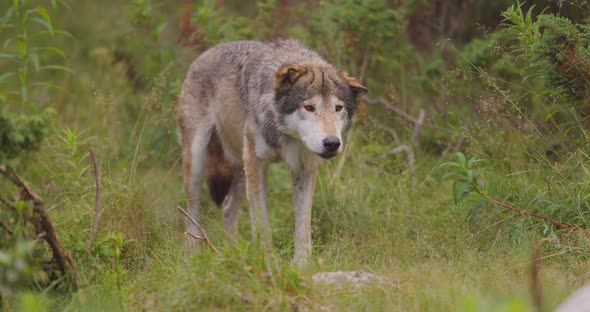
327 155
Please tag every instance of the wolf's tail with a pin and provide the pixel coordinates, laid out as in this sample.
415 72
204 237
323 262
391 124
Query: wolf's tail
219 171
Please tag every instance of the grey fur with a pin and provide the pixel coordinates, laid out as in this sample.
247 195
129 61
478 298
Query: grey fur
245 90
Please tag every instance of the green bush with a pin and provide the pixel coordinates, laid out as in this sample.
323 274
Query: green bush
24 122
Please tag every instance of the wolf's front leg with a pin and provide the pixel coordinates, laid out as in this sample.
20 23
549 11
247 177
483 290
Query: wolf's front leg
255 171
303 186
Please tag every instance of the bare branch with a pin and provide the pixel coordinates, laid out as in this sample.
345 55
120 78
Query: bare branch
195 236
459 143
385 128
418 121
43 223
399 149
389 106
97 208
203 236
396 150
364 65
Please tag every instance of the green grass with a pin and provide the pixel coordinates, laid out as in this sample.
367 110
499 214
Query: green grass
369 215
432 254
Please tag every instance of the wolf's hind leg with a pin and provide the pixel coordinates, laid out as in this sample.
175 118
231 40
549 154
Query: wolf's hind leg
194 162
231 206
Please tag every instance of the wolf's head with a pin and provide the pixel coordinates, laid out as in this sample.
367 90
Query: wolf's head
316 103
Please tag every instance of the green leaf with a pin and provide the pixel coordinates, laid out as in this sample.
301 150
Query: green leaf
5 76
481 185
53 49
35 60
56 67
45 24
23 93
7 16
460 190
9 56
46 19
461 158
479 172
464 194
48 85
529 15
526 190
449 164
41 11
8 42
453 175
55 31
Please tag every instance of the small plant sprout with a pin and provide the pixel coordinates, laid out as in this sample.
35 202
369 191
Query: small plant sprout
467 179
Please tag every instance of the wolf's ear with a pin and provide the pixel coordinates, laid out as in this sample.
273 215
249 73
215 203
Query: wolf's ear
355 86
286 76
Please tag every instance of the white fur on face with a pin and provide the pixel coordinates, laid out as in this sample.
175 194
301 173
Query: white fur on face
312 128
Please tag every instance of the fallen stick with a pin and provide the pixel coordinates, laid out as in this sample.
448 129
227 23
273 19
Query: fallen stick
203 236
43 223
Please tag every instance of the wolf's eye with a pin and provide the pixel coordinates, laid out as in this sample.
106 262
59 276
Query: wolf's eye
309 108
338 108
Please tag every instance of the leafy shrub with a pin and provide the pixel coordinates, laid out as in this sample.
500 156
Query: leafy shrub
24 26
557 46
357 30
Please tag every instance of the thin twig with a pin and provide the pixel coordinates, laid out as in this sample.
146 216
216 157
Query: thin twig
203 236
405 149
459 143
194 236
396 150
364 65
558 224
97 208
389 106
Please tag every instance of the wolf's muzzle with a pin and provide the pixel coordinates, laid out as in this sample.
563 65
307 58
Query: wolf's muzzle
331 144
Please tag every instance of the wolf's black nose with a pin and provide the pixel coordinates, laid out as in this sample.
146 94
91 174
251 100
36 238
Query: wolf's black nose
331 144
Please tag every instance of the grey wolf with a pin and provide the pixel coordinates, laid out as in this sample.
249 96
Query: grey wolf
246 104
